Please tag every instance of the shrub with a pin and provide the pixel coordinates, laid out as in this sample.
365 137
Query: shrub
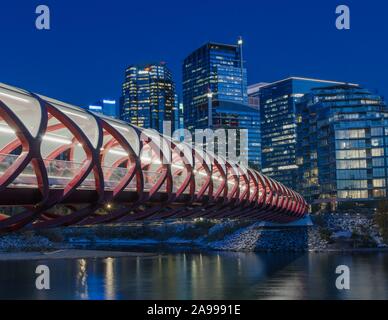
319 220
325 234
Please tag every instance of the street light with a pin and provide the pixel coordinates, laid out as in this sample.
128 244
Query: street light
209 108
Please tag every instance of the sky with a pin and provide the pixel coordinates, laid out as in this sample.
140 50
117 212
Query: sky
82 58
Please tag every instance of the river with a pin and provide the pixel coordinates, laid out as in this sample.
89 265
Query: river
201 275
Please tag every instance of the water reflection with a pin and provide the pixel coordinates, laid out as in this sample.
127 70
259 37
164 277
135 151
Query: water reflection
81 280
200 276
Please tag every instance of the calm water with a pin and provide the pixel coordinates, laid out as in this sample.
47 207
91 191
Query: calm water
201 276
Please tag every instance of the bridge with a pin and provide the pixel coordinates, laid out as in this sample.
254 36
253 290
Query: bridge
61 165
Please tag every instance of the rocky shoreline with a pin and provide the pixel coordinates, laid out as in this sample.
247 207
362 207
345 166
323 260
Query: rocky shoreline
338 232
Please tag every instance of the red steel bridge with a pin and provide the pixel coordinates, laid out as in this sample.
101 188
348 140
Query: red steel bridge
61 165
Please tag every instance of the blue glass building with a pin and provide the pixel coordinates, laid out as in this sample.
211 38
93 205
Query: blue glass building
342 147
106 107
278 125
231 115
254 101
148 96
214 76
216 68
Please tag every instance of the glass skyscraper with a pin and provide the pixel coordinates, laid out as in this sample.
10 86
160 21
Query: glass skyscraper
342 147
237 116
254 102
148 96
106 107
216 68
278 125
215 76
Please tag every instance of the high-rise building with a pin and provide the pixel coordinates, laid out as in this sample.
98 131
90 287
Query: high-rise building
254 102
148 96
254 93
106 107
342 147
245 120
178 114
215 96
278 125
216 68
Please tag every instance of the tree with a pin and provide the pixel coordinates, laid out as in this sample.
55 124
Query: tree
381 219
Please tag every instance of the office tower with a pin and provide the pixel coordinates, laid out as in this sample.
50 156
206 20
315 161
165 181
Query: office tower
278 125
254 93
178 114
215 68
343 147
106 107
245 120
215 96
254 102
148 96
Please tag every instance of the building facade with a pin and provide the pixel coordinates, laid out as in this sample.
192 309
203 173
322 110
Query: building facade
278 125
254 102
107 107
215 96
216 68
148 96
343 147
243 121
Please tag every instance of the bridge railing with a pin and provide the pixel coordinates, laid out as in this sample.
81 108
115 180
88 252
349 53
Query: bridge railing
61 172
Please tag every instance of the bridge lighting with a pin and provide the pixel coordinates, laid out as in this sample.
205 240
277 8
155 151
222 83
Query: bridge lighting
75 114
146 159
13 97
120 128
6 130
118 152
55 139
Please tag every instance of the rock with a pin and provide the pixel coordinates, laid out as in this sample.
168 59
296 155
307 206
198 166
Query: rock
341 235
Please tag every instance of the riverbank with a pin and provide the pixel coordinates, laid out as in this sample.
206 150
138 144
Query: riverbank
334 233
71 254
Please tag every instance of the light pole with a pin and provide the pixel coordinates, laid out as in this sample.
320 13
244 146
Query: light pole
210 109
240 43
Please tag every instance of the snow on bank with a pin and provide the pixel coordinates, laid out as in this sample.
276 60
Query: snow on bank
232 235
24 242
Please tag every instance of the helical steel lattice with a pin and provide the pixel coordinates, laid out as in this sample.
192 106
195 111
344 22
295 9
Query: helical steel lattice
103 170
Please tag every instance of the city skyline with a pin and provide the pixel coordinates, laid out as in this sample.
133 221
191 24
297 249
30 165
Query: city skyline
148 96
72 74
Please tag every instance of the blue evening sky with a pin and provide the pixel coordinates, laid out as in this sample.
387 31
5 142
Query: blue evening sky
83 57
